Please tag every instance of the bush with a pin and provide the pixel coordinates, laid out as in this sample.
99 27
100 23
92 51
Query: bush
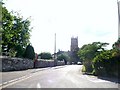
20 51
63 57
106 63
29 52
88 66
45 55
83 69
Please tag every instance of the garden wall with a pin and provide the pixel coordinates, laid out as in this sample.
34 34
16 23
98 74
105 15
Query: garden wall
13 64
47 63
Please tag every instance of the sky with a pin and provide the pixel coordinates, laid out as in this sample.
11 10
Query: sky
90 20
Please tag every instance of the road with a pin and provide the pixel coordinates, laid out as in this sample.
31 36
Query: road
68 76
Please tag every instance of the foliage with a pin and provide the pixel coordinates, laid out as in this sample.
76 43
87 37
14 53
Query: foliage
116 45
20 51
29 52
15 33
63 57
88 52
83 69
102 63
45 55
98 61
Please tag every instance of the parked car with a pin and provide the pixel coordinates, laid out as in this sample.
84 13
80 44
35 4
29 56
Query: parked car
73 62
79 63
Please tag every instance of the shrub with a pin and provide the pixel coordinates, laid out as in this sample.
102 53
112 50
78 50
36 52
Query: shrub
83 69
63 57
29 52
107 62
45 55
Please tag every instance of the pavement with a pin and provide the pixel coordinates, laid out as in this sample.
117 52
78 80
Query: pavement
68 76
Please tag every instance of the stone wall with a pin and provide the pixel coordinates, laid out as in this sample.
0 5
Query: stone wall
59 63
13 64
44 63
47 63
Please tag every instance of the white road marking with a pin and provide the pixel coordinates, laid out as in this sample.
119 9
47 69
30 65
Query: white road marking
38 85
9 83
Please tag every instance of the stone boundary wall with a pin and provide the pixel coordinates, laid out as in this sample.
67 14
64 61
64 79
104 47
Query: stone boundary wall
14 64
59 63
47 63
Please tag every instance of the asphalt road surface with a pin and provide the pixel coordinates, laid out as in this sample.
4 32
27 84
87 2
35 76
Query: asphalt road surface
68 76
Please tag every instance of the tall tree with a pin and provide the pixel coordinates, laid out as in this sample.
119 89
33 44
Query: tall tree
16 32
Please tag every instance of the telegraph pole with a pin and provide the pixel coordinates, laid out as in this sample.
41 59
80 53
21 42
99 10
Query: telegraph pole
118 4
55 62
55 45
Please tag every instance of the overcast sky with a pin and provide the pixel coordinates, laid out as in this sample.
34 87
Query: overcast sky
90 20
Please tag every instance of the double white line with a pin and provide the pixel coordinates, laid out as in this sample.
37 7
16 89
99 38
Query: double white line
11 82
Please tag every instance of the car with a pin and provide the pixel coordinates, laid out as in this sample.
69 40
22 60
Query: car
79 63
73 63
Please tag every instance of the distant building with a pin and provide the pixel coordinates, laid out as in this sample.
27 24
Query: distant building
74 43
73 51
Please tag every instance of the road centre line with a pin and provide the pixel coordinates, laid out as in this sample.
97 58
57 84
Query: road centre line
11 82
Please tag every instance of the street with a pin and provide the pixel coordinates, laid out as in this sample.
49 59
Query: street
68 76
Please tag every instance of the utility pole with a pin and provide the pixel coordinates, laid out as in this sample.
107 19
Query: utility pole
118 4
55 62
55 45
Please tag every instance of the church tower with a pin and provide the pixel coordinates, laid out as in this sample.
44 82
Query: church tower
74 43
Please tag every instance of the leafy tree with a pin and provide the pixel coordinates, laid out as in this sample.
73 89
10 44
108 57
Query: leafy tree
16 32
63 57
45 55
7 20
20 51
29 52
116 45
102 62
88 52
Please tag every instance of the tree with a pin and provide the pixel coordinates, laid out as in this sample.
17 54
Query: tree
16 32
102 63
105 59
116 45
20 51
29 52
63 57
88 52
45 55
